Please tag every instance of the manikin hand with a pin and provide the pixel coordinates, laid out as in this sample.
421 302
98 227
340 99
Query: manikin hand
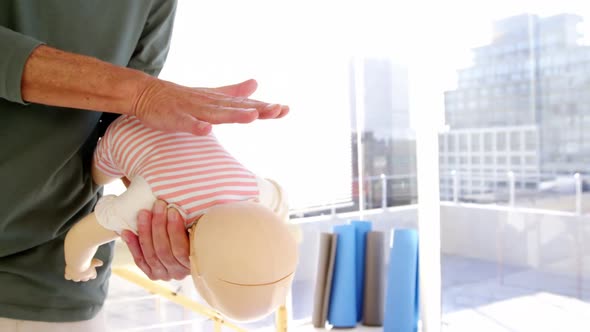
170 107
161 249
84 273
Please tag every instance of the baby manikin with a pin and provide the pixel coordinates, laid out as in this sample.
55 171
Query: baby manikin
243 253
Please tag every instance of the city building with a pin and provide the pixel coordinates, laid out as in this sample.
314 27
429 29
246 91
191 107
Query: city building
526 90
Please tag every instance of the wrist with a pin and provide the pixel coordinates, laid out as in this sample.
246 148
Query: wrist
128 89
143 88
57 78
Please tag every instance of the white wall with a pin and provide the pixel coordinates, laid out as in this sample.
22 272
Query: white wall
551 241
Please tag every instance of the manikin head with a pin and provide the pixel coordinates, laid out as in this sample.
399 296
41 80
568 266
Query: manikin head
243 259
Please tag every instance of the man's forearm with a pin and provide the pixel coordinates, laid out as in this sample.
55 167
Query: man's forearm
58 78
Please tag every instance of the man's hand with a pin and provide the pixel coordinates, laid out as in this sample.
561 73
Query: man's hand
170 107
161 249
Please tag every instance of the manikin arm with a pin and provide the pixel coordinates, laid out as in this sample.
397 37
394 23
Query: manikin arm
81 244
83 239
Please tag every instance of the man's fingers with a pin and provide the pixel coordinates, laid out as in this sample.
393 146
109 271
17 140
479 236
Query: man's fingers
206 96
243 89
164 246
153 251
270 113
179 240
187 123
242 104
221 114
144 228
198 127
132 242
159 238
284 111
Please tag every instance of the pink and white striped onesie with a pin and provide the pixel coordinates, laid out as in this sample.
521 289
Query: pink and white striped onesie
191 173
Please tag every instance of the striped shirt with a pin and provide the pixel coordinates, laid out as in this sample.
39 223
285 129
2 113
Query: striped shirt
189 172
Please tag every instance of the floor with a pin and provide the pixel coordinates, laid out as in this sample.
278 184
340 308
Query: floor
522 300
476 297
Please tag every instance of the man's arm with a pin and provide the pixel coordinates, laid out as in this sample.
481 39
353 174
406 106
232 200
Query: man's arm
33 72
16 48
59 78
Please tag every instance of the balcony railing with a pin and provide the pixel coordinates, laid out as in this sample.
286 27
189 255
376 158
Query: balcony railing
539 190
542 191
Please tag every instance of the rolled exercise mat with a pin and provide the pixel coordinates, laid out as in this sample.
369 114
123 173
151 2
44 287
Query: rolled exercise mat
373 301
342 307
362 227
327 253
401 302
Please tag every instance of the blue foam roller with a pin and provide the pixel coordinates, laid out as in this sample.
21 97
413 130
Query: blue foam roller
401 302
342 308
361 227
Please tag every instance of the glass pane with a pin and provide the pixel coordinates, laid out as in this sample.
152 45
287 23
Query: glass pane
388 142
519 243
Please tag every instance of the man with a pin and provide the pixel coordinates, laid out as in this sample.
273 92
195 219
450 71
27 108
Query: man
67 68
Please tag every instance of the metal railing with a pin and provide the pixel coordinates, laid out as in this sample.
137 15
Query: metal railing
507 187
376 191
502 188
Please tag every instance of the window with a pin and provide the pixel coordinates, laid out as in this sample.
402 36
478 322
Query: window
530 141
537 58
475 145
501 141
488 141
451 141
285 79
530 160
515 161
463 142
515 141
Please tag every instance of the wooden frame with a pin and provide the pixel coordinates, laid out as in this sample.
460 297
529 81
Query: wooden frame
281 317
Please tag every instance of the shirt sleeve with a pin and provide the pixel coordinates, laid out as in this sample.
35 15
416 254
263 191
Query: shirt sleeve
16 49
103 159
153 46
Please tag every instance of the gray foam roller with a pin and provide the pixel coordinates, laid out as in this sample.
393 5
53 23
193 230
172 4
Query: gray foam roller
373 300
321 300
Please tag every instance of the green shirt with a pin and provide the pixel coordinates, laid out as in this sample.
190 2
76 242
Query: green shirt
45 152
